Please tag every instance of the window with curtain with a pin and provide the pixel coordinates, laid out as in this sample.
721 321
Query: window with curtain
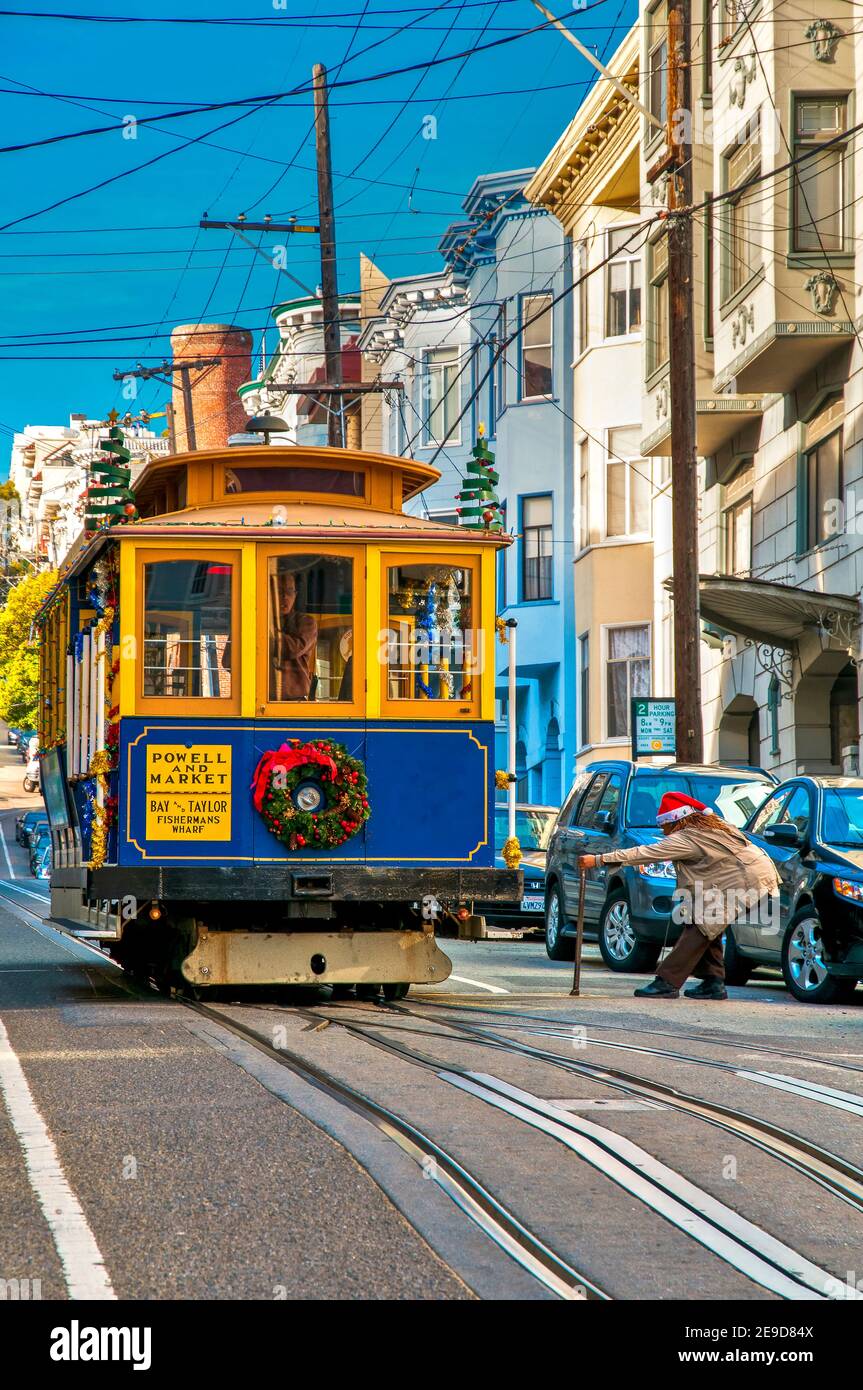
820 180
657 346
738 537
441 395
744 212
537 524
627 675
580 300
622 283
583 494
584 690
627 485
536 345
824 485
657 64
737 521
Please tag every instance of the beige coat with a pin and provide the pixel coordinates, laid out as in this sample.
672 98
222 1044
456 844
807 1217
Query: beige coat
721 876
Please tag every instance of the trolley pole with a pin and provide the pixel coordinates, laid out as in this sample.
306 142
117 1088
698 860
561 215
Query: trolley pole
329 278
681 351
512 717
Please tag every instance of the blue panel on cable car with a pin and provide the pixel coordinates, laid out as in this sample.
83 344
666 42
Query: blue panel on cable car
185 792
430 787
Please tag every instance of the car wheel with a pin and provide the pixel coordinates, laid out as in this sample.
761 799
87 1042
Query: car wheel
558 946
737 967
619 946
803 966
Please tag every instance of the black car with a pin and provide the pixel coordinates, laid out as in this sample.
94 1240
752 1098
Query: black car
533 827
812 828
26 822
613 805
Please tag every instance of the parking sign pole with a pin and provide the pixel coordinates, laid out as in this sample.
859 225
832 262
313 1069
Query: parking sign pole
579 935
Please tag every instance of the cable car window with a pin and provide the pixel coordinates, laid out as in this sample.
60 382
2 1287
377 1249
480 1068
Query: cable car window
310 627
343 481
187 629
430 654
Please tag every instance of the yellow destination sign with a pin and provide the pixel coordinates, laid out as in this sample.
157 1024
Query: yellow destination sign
188 791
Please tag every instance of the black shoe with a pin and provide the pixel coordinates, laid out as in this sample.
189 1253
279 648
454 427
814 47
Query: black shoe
657 989
708 989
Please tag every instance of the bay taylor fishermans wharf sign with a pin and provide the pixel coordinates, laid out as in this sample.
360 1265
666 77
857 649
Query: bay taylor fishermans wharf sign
188 791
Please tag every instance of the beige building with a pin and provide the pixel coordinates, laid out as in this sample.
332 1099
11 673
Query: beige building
779 382
591 181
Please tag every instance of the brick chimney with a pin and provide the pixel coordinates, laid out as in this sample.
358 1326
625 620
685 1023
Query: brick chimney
217 411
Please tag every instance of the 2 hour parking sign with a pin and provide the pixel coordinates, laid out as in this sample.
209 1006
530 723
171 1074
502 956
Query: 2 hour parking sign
653 728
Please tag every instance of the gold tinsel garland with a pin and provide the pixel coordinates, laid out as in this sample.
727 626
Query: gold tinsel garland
511 852
102 762
100 766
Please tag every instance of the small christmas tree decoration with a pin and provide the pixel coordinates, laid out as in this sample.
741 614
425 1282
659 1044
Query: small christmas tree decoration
479 503
111 498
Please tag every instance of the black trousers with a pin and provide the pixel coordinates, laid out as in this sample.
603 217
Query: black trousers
693 954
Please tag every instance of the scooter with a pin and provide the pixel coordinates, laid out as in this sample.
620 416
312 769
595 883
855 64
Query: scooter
31 777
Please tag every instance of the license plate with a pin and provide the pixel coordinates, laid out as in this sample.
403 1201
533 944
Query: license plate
532 905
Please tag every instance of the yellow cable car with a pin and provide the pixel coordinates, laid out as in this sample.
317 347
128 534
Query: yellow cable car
268 723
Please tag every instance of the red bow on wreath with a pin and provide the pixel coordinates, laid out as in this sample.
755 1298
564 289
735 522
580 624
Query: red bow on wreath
288 758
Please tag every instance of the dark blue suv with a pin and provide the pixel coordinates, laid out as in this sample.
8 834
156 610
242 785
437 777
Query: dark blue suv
613 805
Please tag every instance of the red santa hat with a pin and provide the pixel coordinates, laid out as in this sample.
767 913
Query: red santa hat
677 806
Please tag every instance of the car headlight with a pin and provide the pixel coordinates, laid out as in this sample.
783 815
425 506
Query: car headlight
663 868
848 888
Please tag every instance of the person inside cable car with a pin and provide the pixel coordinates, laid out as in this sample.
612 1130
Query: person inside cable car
293 645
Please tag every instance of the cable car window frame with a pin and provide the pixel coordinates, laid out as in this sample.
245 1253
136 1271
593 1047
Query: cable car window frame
200 706
424 708
355 708
340 499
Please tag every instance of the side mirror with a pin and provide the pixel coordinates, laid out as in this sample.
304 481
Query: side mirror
604 822
786 834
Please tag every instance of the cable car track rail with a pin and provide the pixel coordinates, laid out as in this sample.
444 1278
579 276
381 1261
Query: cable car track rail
754 1252
472 1198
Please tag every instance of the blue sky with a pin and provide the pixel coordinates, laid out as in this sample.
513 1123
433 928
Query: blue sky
131 254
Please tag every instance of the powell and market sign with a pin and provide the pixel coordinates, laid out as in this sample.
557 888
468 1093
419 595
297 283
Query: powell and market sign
653 724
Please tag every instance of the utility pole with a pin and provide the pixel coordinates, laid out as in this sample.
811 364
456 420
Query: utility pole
681 352
329 280
167 370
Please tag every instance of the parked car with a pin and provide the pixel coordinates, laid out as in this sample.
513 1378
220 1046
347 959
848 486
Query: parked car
43 863
25 823
812 828
613 805
12 736
38 840
533 827
39 826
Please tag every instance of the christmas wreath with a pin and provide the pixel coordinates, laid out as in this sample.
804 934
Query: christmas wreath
311 795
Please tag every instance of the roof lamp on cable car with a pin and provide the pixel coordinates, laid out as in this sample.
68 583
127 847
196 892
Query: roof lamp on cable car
266 424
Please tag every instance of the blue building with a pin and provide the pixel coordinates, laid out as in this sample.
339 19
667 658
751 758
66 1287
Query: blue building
514 262
506 268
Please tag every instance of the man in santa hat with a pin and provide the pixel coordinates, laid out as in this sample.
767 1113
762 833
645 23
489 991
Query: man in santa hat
721 877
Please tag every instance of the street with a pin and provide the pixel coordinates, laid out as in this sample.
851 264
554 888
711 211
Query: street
544 1147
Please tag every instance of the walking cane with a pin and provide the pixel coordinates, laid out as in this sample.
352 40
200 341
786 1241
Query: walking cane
579 936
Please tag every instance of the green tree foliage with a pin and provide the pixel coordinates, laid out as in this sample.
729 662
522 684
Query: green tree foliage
19 662
8 491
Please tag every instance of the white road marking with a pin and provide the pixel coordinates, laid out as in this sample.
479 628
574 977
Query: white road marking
478 984
83 1266
745 1246
6 852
